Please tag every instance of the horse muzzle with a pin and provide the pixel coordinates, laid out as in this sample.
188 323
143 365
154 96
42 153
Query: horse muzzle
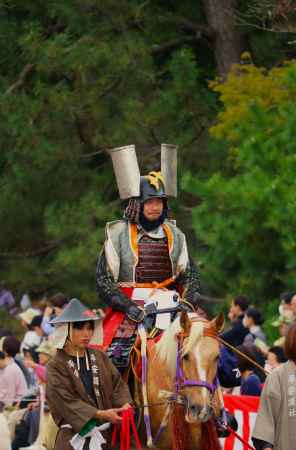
198 413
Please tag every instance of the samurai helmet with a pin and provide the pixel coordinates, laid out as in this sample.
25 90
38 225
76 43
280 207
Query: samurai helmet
155 184
152 186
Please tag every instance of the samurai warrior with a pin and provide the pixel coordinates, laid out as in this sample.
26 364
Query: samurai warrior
144 260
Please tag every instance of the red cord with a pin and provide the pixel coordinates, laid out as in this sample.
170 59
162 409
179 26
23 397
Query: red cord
127 423
239 438
134 428
114 435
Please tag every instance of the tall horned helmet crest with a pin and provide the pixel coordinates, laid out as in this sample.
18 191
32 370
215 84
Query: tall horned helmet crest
156 184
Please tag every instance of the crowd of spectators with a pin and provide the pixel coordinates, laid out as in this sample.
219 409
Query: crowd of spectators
23 362
246 335
23 371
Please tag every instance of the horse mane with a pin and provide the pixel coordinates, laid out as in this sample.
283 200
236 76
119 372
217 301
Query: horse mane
166 348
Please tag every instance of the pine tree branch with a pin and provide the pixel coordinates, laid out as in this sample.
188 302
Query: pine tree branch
158 49
27 70
91 155
28 254
208 299
199 29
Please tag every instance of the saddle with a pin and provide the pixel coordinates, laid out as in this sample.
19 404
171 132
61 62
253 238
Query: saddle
120 333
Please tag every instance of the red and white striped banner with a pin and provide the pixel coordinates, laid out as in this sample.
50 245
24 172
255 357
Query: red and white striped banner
245 409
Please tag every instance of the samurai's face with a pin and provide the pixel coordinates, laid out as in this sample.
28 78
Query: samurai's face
153 208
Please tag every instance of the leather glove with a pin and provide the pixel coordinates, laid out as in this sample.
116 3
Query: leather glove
231 422
135 313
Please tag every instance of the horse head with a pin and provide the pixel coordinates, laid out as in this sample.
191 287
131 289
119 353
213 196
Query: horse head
198 358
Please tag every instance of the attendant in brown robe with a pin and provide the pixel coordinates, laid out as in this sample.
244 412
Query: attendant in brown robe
275 427
85 392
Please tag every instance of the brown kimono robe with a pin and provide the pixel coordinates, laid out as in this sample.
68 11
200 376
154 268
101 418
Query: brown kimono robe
276 419
68 400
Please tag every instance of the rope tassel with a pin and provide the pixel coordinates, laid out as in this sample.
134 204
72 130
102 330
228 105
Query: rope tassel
86 361
77 360
143 336
127 425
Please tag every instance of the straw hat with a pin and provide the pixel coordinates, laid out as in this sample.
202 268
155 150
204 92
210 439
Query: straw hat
47 348
281 320
28 315
1 343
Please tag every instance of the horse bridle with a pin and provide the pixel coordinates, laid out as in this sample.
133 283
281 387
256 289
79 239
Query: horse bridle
181 381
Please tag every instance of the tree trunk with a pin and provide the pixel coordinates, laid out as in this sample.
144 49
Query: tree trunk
228 39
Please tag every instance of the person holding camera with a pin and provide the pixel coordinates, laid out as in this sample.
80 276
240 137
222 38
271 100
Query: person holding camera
56 304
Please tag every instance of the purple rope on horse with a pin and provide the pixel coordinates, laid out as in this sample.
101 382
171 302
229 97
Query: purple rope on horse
182 381
144 383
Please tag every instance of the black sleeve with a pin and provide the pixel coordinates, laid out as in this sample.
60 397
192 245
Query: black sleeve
261 445
189 281
236 335
22 430
107 288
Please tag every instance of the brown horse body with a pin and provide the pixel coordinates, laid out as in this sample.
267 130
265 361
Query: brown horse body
199 358
158 380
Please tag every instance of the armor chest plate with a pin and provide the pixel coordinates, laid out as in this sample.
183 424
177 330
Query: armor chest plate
154 260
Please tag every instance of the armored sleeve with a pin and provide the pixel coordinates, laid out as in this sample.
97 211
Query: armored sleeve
190 283
107 288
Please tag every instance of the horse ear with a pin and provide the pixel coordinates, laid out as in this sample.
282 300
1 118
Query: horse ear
185 322
219 322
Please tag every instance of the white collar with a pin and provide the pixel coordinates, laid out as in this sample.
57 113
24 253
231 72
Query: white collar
157 233
254 329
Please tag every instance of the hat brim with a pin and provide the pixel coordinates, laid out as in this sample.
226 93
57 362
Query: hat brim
81 319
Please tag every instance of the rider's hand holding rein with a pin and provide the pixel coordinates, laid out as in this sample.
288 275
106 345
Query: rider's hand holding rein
135 313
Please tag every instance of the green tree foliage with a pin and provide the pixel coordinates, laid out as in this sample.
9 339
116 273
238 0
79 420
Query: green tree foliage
246 220
79 78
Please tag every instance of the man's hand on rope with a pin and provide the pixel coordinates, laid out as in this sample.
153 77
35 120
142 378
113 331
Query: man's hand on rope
126 406
110 415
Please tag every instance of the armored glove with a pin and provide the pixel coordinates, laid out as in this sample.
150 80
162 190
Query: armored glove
223 430
135 313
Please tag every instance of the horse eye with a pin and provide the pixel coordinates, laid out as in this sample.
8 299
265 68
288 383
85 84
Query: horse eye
186 357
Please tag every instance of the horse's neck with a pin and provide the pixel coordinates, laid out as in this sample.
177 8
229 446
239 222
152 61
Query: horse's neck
159 373
161 384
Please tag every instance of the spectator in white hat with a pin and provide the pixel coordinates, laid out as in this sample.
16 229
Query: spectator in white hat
31 338
45 352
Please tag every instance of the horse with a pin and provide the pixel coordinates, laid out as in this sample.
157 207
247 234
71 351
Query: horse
183 365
